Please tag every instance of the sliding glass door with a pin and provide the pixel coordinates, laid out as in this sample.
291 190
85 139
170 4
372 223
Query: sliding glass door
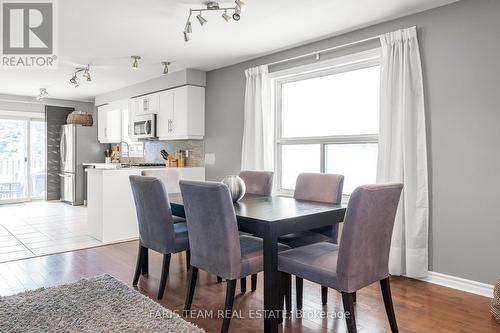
22 159
37 159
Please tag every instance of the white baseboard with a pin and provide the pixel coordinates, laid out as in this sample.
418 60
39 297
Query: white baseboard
454 282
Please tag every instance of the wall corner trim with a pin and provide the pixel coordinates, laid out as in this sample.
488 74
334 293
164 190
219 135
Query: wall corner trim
454 282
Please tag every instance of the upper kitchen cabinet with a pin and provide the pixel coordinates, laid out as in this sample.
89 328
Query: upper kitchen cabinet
182 113
147 104
109 123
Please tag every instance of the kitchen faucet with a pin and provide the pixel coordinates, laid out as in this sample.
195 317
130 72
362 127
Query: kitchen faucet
128 152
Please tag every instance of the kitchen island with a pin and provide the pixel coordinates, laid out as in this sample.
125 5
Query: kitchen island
111 209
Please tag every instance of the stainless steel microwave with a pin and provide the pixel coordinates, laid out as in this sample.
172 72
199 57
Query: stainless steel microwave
144 127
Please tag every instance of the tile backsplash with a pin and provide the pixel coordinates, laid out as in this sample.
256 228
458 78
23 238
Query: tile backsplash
196 150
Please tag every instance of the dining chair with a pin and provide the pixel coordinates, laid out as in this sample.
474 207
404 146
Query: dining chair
363 255
156 228
170 179
318 187
215 243
259 183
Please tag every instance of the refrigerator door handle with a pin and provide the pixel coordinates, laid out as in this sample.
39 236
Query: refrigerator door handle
63 149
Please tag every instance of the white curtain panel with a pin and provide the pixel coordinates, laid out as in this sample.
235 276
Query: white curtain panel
402 153
257 151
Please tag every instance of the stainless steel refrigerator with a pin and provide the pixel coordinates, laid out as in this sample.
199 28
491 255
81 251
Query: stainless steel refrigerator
78 145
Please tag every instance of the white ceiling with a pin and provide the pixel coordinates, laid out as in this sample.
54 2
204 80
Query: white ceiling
105 33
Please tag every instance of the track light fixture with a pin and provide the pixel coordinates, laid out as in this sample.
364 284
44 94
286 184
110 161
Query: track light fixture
165 66
226 17
43 93
201 19
135 64
85 75
211 6
73 80
241 5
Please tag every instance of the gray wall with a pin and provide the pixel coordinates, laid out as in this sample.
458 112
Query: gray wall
460 48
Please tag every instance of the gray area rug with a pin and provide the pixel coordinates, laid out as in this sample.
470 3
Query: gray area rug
98 304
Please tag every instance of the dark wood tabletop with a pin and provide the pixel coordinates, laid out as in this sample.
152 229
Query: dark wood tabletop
269 218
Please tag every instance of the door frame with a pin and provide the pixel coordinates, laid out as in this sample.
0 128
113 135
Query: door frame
28 117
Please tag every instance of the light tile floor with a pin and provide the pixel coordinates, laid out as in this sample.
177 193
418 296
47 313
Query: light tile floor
39 228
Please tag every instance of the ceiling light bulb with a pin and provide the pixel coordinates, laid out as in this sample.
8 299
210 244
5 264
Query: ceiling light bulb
188 28
201 19
165 68
236 16
228 18
135 64
241 5
186 37
86 73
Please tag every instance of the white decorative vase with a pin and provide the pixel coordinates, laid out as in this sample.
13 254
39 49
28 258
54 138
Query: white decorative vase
237 187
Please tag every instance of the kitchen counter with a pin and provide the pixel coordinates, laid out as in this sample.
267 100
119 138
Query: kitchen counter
111 209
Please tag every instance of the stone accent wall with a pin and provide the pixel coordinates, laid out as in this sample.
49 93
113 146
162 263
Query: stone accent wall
55 116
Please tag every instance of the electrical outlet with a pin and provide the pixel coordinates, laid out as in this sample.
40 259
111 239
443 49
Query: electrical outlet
209 158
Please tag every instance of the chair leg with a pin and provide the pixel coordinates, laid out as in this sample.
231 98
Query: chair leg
193 276
389 309
145 261
188 259
228 308
219 279
299 286
324 295
286 280
164 274
138 266
347 299
254 282
243 285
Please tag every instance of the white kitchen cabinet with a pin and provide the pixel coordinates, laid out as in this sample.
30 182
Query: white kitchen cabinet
166 114
147 104
181 113
109 123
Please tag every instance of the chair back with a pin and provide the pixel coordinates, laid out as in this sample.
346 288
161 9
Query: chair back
154 216
212 228
321 187
258 182
169 177
363 256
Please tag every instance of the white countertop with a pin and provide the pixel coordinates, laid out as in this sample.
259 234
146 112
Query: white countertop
124 169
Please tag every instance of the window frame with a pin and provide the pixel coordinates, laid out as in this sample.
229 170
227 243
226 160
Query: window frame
361 60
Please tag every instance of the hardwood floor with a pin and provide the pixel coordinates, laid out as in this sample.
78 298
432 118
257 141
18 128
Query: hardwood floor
419 306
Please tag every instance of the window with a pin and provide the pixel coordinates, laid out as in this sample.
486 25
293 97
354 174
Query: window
327 121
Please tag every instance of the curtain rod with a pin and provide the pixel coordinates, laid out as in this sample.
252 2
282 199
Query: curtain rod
317 53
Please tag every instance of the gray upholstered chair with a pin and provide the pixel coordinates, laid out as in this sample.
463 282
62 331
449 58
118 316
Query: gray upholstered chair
156 228
319 187
260 183
216 245
170 179
363 255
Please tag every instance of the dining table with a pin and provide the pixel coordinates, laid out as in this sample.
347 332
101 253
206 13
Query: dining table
270 217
